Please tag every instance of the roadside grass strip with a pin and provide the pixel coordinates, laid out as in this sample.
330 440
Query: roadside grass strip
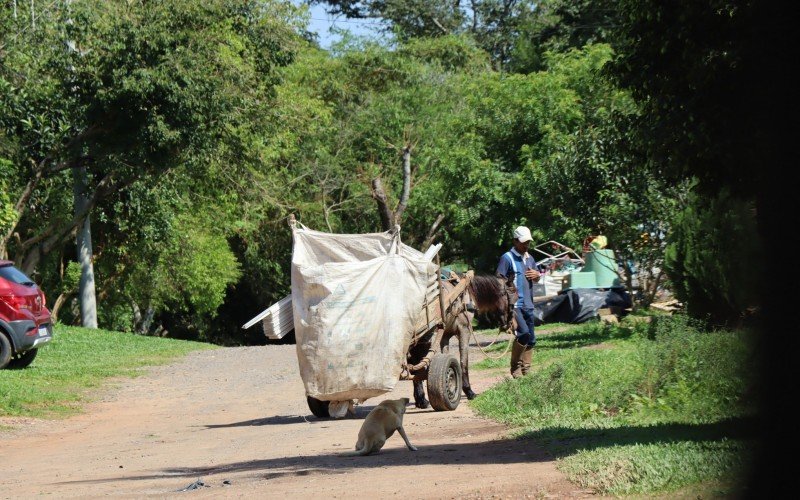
78 360
637 408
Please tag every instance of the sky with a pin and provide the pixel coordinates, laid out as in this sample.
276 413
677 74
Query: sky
321 23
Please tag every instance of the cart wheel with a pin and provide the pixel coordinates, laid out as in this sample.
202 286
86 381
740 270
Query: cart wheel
317 407
444 382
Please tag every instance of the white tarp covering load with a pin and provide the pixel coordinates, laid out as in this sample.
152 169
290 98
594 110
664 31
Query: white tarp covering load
355 298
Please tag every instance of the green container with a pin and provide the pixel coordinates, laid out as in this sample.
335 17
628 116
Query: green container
604 267
579 280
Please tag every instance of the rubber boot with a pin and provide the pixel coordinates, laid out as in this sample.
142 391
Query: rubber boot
516 358
525 359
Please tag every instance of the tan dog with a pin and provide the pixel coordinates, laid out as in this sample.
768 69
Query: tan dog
379 425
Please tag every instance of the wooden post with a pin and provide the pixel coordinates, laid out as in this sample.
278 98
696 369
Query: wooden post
441 288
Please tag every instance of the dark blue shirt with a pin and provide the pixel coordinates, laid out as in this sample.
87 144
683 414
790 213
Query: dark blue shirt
513 263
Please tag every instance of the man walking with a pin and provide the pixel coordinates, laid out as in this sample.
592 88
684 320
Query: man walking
518 263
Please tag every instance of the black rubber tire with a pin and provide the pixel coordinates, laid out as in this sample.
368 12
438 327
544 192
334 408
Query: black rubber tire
23 360
5 350
444 382
317 407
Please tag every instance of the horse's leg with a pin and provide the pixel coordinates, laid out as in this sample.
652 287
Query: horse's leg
419 395
415 354
444 344
463 349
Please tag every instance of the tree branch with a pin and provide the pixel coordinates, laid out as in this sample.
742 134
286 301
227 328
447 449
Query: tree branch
432 232
22 202
40 171
383 205
436 22
47 239
401 206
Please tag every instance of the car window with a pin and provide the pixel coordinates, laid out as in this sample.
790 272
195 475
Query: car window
14 275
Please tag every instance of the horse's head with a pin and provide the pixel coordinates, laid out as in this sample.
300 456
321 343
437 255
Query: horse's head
495 297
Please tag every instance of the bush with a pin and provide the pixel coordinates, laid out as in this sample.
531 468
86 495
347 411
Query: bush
714 258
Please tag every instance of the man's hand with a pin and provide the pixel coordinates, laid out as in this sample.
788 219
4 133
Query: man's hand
533 275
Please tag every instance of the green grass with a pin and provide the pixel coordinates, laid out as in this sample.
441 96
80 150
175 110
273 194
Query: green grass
636 408
78 360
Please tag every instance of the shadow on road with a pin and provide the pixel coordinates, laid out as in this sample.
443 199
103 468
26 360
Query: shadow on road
506 451
361 412
275 420
563 441
493 452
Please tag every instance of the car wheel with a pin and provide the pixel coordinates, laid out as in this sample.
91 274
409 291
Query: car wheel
23 360
5 350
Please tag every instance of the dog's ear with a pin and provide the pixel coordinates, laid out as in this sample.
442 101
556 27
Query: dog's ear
405 401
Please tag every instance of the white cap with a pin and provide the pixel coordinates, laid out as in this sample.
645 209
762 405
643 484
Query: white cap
522 234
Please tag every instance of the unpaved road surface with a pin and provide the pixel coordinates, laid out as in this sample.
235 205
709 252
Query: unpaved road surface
236 419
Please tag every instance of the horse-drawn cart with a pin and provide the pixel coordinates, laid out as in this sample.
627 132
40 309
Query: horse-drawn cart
428 357
369 311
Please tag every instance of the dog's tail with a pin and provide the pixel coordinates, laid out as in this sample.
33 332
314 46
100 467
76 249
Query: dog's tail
356 453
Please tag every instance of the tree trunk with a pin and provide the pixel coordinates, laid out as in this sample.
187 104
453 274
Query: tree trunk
383 204
86 288
389 217
403 203
60 301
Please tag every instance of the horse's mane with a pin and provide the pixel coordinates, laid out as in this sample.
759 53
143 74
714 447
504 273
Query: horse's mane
487 291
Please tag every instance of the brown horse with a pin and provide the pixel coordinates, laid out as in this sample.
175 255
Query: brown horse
494 296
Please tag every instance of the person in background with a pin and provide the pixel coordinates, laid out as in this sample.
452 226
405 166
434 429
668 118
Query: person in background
518 263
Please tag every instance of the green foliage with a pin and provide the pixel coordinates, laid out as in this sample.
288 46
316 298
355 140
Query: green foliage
71 278
203 127
7 213
717 281
168 106
692 69
195 269
77 360
493 24
453 53
626 405
558 26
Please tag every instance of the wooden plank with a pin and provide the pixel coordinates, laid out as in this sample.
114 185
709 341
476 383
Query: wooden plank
276 308
434 315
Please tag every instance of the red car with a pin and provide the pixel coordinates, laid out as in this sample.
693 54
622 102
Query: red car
24 320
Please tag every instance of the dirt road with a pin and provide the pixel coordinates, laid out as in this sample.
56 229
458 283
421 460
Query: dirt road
236 419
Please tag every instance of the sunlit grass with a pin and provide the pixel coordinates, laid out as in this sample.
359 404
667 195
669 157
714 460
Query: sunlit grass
78 360
635 408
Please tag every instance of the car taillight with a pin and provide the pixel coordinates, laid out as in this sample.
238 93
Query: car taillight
44 299
15 301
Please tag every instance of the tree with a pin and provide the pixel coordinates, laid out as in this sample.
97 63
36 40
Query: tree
711 80
695 70
559 26
715 283
493 24
152 93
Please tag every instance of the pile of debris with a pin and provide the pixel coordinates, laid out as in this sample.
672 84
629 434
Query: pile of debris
669 306
574 289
